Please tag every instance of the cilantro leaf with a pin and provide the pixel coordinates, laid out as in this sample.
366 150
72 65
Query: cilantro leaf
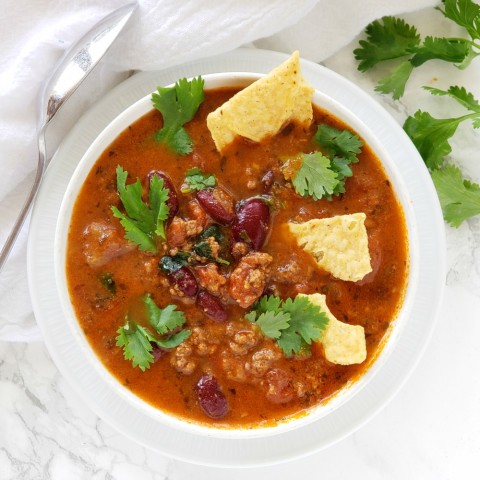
341 143
137 341
170 264
395 82
307 324
142 223
460 199
178 105
315 177
460 95
271 323
294 324
449 50
465 13
431 135
163 320
195 179
393 38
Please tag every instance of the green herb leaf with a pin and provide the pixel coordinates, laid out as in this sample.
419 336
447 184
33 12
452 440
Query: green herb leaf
449 50
431 135
170 264
270 323
465 13
293 323
137 340
178 105
165 319
142 223
395 82
307 324
341 143
315 177
386 39
460 199
195 179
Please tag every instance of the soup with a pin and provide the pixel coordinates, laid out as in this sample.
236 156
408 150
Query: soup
225 251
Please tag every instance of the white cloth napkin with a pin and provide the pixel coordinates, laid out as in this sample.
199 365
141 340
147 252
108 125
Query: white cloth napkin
162 33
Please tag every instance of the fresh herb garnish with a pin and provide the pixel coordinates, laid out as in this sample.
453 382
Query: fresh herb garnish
169 264
460 199
138 341
392 37
203 247
178 105
294 324
195 179
430 135
315 176
343 146
143 223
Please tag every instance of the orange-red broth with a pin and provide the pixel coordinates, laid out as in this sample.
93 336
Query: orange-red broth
372 302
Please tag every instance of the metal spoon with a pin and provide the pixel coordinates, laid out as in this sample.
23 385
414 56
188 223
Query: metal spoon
70 72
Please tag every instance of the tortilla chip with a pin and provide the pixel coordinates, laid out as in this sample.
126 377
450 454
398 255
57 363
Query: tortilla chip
344 344
262 108
338 244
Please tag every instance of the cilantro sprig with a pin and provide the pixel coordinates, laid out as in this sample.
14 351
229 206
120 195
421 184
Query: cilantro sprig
459 198
392 38
143 223
138 341
294 324
178 105
196 180
322 176
431 135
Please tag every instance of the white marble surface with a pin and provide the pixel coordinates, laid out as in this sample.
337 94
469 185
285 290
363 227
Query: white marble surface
431 429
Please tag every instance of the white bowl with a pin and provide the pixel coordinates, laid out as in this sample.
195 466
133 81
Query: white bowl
107 136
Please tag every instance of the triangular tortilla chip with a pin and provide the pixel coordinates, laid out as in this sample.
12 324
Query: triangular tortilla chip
344 344
262 108
338 244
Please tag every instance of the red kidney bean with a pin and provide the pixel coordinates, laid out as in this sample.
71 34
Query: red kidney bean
210 398
185 281
218 204
252 222
211 306
172 201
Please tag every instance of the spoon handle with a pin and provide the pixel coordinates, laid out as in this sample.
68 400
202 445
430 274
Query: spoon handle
28 202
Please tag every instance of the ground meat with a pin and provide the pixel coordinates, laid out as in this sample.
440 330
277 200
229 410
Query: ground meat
181 359
103 242
197 213
262 360
279 386
210 279
248 279
233 367
244 337
180 230
239 249
291 273
205 342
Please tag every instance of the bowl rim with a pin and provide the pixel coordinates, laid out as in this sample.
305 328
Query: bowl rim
108 134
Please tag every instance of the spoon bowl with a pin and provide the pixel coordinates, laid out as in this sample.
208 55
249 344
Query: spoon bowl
68 75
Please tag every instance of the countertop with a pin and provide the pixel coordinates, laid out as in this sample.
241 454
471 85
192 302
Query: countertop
430 430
